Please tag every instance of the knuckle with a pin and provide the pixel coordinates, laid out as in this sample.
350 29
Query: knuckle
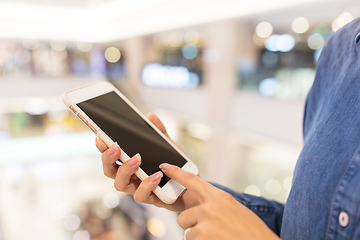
179 219
141 195
125 172
104 158
106 173
150 200
206 211
191 177
118 187
138 198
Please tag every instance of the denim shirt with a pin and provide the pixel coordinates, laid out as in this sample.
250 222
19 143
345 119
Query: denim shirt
325 196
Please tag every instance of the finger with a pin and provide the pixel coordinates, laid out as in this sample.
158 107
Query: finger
144 191
109 157
188 218
188 180
125 172
100 145
157 122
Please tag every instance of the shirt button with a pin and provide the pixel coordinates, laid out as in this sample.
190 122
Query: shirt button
343 219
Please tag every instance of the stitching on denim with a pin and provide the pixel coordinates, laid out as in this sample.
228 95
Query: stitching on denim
262 208
353 160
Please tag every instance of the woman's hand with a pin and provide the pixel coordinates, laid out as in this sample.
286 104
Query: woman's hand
210 212
126 181
219 215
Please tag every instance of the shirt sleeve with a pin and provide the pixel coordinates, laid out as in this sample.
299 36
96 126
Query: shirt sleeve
271 212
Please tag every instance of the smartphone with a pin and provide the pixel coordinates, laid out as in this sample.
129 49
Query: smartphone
113 118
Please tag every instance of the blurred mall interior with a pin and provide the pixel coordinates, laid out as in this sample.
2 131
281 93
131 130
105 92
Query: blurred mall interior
228 78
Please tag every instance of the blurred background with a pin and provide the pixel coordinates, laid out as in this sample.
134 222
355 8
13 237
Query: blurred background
228 78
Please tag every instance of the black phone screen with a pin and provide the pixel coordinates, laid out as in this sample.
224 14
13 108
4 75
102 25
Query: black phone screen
134 135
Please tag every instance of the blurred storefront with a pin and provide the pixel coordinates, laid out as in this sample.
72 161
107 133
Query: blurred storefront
230 89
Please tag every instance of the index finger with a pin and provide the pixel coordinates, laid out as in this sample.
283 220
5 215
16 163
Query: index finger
100 145
188 180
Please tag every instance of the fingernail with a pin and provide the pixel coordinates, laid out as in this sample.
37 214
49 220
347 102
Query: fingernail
134 160
112 149
164 166
156 176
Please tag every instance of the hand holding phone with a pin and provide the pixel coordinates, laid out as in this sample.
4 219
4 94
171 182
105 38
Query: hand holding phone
126 180
113 118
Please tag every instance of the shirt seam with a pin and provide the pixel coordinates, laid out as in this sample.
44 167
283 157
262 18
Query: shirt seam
336 192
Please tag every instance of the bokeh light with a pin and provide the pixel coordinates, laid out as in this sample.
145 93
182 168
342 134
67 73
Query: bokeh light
112 54
253 190
273 186
103 212
269 59
36 106
271 43
264 29
203 41
111 200
315 41
282 43
258 40
192 37
269 87
72 222
194 80
156 227
82 235
157 75
341 21
30 44
11 72
300 25
84 46
174 39
285 43
189 51
58 45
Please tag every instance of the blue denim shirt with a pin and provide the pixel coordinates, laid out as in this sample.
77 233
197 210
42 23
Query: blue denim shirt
326 180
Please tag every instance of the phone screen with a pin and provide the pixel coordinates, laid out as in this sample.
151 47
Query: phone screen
134 135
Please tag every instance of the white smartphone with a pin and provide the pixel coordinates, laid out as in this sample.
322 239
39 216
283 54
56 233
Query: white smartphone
113 118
